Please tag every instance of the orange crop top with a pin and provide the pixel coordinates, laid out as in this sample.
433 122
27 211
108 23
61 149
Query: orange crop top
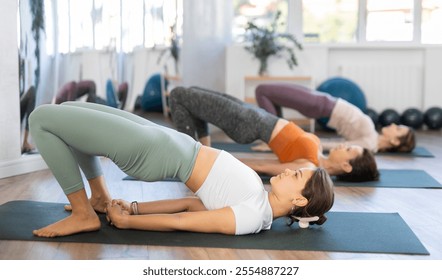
293 143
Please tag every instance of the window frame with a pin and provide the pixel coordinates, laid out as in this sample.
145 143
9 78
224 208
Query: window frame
295 26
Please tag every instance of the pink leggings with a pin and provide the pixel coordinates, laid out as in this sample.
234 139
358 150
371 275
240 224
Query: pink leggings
310 103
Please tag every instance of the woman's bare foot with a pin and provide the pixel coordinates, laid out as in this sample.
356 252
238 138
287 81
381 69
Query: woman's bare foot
99 204
75 223
100 195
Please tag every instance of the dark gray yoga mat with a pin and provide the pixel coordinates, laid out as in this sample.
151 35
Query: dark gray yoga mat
247 148
343 232
390 178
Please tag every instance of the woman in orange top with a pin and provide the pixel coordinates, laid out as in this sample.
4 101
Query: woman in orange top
194 108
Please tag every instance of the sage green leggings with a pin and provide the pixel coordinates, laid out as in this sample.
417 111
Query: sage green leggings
73 136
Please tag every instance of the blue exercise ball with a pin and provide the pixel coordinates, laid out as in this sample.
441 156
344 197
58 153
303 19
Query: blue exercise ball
151 99
111 99
412 117
433 117
389 116
345 89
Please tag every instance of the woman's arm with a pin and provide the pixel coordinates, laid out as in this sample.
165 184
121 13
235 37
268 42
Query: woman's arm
208 221
273 166
167 206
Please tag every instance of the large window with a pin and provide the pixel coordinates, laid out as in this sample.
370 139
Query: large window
81 31
160 19
117 24
390 20
358 21
432 21
330 20
107 24
261 12
126 25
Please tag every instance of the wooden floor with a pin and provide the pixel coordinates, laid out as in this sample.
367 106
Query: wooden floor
420 208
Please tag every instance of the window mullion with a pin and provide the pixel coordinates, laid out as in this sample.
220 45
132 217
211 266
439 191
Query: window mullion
362 22
417 21
294 19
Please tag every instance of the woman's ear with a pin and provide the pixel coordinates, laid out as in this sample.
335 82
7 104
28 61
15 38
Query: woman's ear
395 142
346 166
300 201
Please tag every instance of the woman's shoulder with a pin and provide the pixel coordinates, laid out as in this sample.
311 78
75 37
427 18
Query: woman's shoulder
252 216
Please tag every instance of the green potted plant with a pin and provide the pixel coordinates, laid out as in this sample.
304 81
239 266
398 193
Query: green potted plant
264 42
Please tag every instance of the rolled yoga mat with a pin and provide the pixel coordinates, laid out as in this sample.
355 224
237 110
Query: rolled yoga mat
343 232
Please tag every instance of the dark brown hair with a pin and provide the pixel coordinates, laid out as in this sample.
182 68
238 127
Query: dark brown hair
406 143
364 168
320 195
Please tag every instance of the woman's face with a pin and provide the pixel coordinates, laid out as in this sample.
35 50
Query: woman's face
394 131
345 153
290 181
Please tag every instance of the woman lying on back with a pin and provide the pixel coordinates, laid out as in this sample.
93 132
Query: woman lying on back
229 196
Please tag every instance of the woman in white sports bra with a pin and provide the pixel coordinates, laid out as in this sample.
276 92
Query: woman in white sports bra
230 197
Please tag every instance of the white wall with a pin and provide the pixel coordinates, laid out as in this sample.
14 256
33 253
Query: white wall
433 77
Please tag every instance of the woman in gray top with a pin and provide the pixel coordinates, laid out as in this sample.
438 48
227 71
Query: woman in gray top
230 197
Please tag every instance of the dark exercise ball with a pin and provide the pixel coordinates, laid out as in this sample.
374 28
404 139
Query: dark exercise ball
374 116
389 116
433 118
412 117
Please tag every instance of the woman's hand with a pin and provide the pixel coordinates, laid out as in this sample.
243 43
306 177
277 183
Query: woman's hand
116 213
125 206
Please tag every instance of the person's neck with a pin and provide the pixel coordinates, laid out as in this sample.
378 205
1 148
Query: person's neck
328 165
383 142
279 207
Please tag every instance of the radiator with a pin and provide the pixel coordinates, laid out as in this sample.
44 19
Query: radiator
388 86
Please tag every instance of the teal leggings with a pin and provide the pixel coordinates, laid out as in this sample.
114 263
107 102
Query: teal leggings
72 136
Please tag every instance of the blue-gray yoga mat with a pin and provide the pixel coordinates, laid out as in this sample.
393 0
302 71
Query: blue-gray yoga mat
417 152
402 178
247 148
390 178
343 232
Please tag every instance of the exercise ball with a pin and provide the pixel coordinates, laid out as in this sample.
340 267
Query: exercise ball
111 99
151 100
374 116
389 116
412 117
345 89
433 117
